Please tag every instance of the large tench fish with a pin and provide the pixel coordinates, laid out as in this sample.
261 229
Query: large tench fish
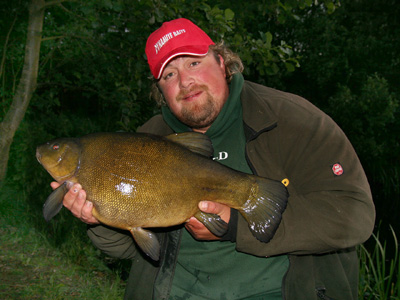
138 180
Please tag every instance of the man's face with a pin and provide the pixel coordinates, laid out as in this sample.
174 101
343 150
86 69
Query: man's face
195 89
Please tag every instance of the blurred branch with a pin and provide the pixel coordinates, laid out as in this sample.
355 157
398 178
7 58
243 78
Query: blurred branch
53 38
56 2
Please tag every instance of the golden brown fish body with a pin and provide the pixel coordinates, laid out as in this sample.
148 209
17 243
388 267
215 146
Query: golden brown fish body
139 180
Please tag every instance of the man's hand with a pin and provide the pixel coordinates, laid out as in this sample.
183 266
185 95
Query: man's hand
198 230
75 201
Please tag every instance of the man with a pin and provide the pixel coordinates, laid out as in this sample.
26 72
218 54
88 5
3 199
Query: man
257 130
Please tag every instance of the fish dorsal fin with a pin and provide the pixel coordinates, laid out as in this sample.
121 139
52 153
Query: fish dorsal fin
194 141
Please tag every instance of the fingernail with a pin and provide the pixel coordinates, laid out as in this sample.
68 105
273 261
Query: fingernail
203 205
76 187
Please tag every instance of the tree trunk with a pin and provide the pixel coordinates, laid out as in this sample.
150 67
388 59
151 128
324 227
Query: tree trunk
26 86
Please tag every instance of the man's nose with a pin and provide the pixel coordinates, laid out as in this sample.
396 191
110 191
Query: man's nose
185 79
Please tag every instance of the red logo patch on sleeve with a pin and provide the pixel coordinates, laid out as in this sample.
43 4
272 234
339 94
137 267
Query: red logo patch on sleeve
337 169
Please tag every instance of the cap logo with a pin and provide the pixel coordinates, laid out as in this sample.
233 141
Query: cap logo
174 38
161 42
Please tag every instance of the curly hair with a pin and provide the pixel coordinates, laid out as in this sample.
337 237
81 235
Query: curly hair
233 64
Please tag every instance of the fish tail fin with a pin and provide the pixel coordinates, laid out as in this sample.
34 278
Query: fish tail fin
263 210
213 223
53 204
147 241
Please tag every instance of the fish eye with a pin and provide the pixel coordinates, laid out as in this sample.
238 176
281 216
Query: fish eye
56 147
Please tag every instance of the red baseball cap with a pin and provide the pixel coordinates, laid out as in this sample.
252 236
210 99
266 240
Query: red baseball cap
174 38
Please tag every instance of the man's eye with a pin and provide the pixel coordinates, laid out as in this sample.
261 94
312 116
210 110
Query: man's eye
168 75
195 63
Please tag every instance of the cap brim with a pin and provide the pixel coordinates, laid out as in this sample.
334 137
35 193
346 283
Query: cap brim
177 52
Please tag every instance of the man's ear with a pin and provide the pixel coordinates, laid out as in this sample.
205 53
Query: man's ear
222 64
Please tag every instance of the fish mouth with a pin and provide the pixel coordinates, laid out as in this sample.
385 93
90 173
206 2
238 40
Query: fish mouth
46 162
38 156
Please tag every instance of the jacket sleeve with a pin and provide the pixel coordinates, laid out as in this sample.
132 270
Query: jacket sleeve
325 211
114 242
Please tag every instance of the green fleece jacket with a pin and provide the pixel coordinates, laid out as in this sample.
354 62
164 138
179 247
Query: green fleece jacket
330 208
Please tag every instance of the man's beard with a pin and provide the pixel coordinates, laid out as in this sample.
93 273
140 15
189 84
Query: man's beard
200 116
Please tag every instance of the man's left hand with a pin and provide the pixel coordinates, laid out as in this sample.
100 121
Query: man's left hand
198 230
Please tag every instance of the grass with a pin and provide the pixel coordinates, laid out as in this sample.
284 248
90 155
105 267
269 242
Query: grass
30 269
379 270
33 267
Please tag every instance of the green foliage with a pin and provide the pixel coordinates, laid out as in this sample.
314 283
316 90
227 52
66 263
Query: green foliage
345 47
368 117
379 271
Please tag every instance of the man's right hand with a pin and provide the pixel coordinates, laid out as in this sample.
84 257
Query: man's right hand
75 201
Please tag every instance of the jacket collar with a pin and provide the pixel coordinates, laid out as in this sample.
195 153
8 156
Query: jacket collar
258 116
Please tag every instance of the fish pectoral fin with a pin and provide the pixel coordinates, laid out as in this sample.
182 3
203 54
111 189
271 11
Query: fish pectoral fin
263 211
54 202
213 222
147 241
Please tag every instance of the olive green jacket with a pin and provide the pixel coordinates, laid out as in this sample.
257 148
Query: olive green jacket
327 214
